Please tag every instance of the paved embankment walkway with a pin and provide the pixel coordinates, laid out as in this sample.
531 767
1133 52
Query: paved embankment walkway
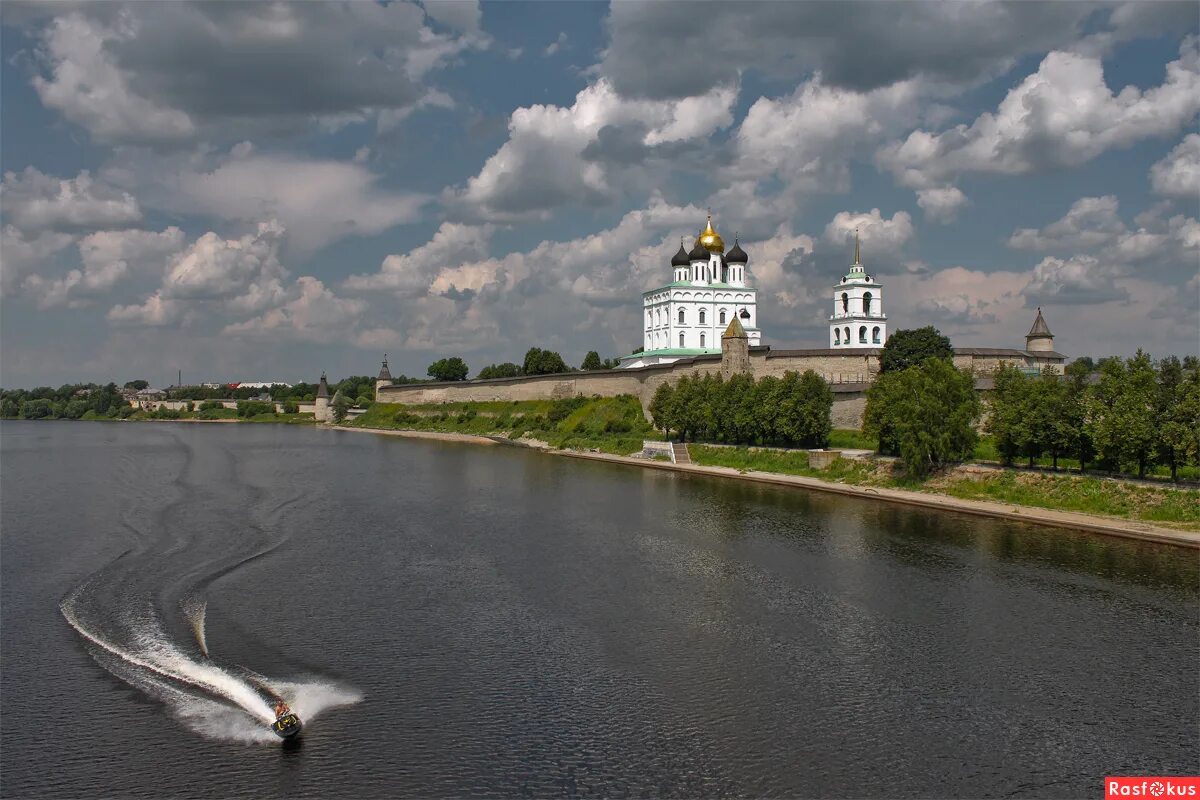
1110 526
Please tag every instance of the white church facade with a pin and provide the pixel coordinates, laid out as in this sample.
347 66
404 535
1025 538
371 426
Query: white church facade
858 321
686 317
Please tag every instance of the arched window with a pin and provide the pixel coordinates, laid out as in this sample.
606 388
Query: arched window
702 319
862 334
875 334
867 304
845 303
837 336
702 340
681 335
846 336
681 316
722 316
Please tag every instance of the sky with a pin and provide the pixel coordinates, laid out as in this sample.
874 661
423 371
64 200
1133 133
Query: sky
263 191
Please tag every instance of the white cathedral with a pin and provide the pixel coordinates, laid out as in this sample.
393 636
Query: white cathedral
687 316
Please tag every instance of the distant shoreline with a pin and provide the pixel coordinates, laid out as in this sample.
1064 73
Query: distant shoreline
1071 520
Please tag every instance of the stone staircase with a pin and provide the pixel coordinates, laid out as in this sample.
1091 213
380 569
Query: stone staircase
680 454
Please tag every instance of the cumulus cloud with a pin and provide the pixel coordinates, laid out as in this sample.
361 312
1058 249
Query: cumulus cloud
154 312
1093 225
1090 222
21 253
168 72
545 163
215 268
461 15
318 200
1061 116
1178 175
34 201
411 273
311 313
941 203
1075 280
806 138
672 50
108 258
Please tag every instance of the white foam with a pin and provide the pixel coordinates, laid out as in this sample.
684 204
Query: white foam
151 657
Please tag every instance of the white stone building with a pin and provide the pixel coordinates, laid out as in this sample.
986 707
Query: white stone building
687 316
858 320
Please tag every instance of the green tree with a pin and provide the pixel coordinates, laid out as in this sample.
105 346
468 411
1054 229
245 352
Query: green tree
592 361
1178 415
929 411
662 408
137 385
37 409
448 369
543 362
1084 363
9 409
1071 428
908 348
1007 403
1122 413
505 370
340 406
252 408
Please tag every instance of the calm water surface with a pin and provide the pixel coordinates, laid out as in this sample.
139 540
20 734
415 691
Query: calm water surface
454 620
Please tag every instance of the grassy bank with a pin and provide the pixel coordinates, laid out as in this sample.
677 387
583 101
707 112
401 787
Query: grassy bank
1058 492
223 414
608 424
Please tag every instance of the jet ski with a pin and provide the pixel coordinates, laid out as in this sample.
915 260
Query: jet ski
286 724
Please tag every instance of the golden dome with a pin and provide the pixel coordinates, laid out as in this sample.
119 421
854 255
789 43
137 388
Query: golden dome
711 239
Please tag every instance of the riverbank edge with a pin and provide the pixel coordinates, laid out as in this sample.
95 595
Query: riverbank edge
1071 520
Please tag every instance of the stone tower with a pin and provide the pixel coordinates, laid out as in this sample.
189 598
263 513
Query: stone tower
384 379
735 350
858 320
1039 339
321 410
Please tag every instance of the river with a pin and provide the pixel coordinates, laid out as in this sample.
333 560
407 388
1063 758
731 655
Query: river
456 620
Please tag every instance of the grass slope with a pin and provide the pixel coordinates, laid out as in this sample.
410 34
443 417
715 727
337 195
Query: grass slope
609 424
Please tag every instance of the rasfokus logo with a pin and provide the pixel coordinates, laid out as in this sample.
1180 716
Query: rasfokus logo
1164 786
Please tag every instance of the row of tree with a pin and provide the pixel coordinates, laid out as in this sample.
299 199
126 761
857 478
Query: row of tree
70 401
1129 415
537 362
790 411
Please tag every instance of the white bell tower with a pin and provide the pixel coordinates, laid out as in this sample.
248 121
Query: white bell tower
858 321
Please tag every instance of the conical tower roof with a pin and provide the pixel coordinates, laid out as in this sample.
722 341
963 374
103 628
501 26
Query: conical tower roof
737 255
680 259
1040 329
735 330
323 387
385 374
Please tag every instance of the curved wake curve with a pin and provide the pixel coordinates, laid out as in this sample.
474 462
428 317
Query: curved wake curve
117 609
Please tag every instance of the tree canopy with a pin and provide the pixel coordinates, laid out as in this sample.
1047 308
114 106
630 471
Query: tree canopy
908 348
505 370
793 410
448 369
543 362
926 414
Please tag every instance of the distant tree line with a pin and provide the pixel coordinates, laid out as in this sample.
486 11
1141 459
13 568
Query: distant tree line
1123 415
70 401
537 362
792 411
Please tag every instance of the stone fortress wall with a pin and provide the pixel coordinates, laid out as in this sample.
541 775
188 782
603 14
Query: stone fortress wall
849 373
